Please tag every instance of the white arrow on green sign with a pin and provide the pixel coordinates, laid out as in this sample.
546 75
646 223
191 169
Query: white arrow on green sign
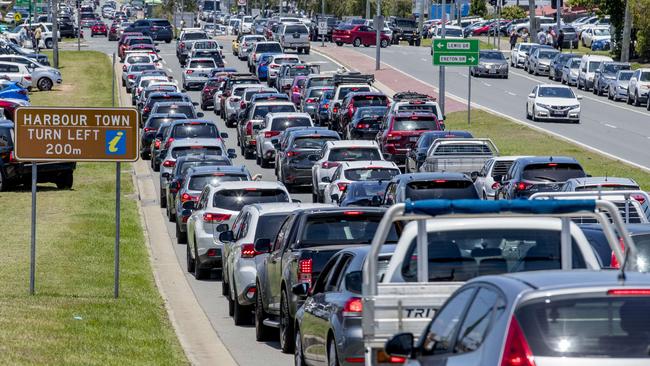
455 52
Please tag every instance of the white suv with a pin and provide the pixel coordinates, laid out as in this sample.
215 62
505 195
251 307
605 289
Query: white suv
219 204
354 171
274 124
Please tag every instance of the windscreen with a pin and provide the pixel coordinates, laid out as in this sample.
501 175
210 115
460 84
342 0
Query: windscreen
269 225
311 142
248 94
405 23
460 255
553 172
285 60
282 123
366 189
645 76
594 65
155 122
268 47
235 199
370 100
354 154
490 55
555 92
161 23
187 110
198 182
587 326
363 174
299 71
546 54
415 123
133 41
352 227
625 76
453 32
613 68
601 32
195 150
441 189
203 130
262 110
607 187
202 64
462 149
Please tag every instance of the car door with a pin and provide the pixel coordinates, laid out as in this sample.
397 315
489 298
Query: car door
274 267
196 215
479 183
332 188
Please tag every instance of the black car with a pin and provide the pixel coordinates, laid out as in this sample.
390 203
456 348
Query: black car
295 151
405 29
151 128
13 172
557 63
640 233
421 186
364 193
67 29
364 123
305 242
538 174
158 29
416 156
162 97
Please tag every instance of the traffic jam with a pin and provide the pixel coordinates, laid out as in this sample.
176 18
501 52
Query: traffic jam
415 244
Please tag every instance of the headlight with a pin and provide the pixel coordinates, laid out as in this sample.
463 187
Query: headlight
504 66
545 106
574 106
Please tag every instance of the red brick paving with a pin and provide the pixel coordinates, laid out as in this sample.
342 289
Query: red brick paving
387 75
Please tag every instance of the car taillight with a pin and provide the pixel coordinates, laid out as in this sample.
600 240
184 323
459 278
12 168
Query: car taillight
342 186
305 267
614 261
28 78
189 72
169 141
269 134
249 128
131 76
291 154
363 125
335 109
211 217
516 351
242 104
12 157
496 185
522 186
629 292
639 198
274 66
326 105
149 129
350 110
393 137
296 89
182 44
146 109
169 163
329 164
187 197
353 307
248 251
310 100
157 144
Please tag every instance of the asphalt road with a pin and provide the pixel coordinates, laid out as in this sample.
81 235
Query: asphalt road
240 341
613 127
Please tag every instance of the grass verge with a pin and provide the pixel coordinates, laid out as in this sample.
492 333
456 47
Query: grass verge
516 139
73 319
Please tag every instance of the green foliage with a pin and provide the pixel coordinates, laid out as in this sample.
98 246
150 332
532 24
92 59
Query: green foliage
642 24
616 10
478 8
513 12
589 5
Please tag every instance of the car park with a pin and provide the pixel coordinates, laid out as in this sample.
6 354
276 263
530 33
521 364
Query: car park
552 102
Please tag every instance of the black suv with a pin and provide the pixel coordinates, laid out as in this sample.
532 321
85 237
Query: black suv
405 29
158 29
13 172
538 174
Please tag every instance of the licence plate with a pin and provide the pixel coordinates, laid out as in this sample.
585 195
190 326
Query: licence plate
558 113
202 75
296 35
493 71
414 138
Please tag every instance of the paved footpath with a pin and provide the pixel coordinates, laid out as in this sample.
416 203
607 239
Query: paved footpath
391 78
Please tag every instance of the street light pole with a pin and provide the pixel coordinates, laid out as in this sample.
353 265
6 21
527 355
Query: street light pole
378 37
627 30
54 6
441 87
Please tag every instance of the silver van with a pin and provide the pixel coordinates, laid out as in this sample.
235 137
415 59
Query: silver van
588 65
295 36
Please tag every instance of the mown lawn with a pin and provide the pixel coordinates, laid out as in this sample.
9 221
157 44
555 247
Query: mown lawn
515 139
73 318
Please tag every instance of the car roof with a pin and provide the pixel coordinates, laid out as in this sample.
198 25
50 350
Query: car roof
590 181
205 169
249 184
352 143
369 164
416 114
452 133
288 114
200 59
336 209
411 177
165 104
168 115
273 102
558 279
193 121
284 207
633 229
313 131
197 142
547 159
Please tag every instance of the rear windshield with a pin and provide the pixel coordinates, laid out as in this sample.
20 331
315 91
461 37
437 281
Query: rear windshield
142 67
464 254
215 55
362 174
299 71
235 199
595 326
370 100
268 47
320 82
316 93
355 227
343 91
138 59
286 60
625 75
161 23
133 41
269 225
441 189
354 154
198 182
87 16
186 110
203 130
463 149
296 29
415 123
594 65
645 76
187 164
607 187
553 172
547 54
427 108
311 142
155 122
194 36
613 68
203 64
167 98
282 123
194 150
262 110
249 93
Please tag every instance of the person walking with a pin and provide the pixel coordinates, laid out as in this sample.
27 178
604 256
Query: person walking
560 40
513 39
38 33
549 38
541 37
525 36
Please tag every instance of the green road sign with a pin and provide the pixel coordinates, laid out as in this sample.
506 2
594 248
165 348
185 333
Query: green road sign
455 52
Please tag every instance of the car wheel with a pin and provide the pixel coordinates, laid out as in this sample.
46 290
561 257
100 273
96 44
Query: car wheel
339 44
262 332
629 99
231 304
527 113
44 84
306 50
314 198
241 313
264 163
647 105
199 273
332 357
49 43
168 41
190 260
383 43
248 154
298 356
225 289
63 181
636 99
163 201
534 118
286 325
181 237
356 42
204 107
418 42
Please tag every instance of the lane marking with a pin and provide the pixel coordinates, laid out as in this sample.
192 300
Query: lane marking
511 93
486 84
610 126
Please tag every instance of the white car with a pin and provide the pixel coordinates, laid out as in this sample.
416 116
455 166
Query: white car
553 102
141 58
274 66
489 177
219 204
274 124
590 35
519 54
196 72
246 25
255 223
246 45
17 73
354 171
333 154
232 105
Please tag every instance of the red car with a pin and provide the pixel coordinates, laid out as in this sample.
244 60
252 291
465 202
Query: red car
358 35
402 132
132 43
99 28
348 106
113 35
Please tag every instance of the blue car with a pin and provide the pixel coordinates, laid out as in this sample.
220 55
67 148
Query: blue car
262 68
364 193
12 90
323 106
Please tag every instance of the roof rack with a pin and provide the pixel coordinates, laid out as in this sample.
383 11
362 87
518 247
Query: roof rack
353 78
411 95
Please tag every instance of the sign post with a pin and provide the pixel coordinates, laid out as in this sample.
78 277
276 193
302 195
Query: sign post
75 134
322 30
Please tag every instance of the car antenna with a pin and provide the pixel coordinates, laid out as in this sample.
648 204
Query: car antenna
621 275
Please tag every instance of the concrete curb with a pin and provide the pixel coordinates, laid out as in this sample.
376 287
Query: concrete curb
199 340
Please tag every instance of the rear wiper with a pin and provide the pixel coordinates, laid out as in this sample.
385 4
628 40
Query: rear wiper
546 178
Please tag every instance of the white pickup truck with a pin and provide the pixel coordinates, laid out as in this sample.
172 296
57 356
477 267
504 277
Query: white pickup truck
445 243
459 155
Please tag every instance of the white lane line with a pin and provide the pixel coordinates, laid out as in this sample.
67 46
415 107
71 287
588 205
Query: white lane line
164 62
486 84
511 93
463 74
610 126
424 59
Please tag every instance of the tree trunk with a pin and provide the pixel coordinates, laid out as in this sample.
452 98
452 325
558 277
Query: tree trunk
627 30
532 29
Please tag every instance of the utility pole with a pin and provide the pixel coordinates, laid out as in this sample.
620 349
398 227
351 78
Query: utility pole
378 37
420 16
367 9
441 86
532 25
627 33
54 6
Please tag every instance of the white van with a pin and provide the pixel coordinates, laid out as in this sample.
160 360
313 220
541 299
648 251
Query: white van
588 65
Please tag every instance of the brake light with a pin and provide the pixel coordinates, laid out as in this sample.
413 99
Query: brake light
157 144
350 110
28 78
393 136
522 186
353 307
496 185
149 129
329 164
269 134
342 186
182 44
310 100
169 163
187 197
353 213
296 89
516 351
146 109
211 217
248 251
440 181
189 72
292 154
335 110
614 261
131 76
629 292
274 66
242 104
249 128
639 198
326 106
169 141
363 125
305 267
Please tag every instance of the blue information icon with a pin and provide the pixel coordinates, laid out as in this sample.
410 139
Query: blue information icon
115 142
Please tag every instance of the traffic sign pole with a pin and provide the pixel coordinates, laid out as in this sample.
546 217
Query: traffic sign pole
116 276
32 248
469 96
441 87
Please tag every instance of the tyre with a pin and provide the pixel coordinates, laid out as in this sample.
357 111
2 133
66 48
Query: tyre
264 163
231 304
306 50
366 45
286 325
181 236
168 41
332 357
298 356
314 198
262 332
225 289
339 44
528 116
204 107
241 313
49 43
356 42
163 200
636 100
190 261
248 154
63 181
418 42
383 43
533 116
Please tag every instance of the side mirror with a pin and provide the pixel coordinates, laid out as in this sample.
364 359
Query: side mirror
195 103
257 177
189 205
263 245
579 97
531 95
226 236
231 153
300 289
400 344
387 156
474 175
165 175
200 114
224 135
325 180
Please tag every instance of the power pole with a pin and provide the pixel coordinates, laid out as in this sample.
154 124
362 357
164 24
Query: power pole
532 25
443 33
378 37
54 6
367 9
420 16
627 30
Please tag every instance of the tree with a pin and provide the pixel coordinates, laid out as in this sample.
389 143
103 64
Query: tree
513 12
478 8
616 10
642 24
588 5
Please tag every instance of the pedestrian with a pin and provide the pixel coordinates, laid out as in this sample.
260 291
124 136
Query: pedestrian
513 39
37 37
549 38
541 37
560 40
525 36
